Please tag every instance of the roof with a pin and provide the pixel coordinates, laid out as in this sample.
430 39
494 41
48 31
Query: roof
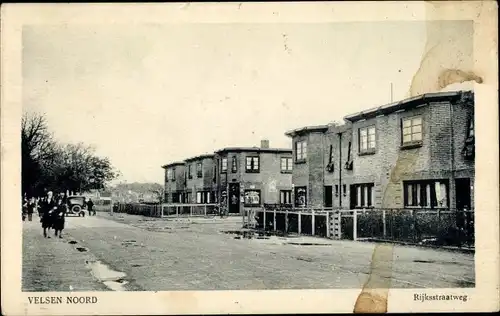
200 157
173 164
254 149
404 104
307 129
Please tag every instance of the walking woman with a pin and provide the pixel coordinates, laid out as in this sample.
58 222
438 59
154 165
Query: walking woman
31 208
48 208
59 217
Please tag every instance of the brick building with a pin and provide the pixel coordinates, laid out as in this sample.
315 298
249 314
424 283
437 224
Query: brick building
200 180
175 182
418 152
260 175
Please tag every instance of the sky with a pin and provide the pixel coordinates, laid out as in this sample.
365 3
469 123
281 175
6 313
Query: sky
149 94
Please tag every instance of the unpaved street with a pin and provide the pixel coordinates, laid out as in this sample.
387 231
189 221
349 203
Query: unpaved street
128 252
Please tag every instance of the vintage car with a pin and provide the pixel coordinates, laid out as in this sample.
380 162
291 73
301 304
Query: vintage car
76 205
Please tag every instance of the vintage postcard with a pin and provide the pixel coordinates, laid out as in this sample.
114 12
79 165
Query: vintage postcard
240 158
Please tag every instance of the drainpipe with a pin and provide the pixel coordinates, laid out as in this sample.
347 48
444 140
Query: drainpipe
340 170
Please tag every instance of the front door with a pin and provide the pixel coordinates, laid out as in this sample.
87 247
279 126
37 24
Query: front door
465 221
328 196
463 191
234 198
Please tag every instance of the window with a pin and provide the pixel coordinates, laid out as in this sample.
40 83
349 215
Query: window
300 196
300 150
286 164
252 197
336 190
367 139
426 194
252 164
234 164
224 165
286 197
190 172
189 197
199 170
362 195
468 150
198 197
412 130
173 174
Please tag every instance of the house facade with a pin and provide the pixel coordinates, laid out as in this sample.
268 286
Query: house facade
418 152
175 182
200 181
258 175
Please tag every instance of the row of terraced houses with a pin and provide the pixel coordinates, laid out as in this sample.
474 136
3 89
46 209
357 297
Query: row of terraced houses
418 152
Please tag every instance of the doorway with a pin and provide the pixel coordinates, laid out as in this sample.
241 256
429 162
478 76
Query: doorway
328 196
234 198
462 193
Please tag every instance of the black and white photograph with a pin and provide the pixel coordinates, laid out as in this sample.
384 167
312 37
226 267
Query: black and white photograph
242 156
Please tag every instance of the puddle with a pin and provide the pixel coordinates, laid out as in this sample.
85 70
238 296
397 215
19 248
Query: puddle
82 249
423 261
137 265
114 280
72 242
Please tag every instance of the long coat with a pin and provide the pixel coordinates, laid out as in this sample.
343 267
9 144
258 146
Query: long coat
59 217
47 218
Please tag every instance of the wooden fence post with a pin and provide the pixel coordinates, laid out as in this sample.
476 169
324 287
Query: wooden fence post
327 224
264 219
177 211
286 221
313 226
299 229
205 210
384 223
355 225
274 220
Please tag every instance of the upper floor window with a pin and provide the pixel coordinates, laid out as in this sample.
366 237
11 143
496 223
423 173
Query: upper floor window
234 164
224 165
190 171
252 164
367 139
172 174
199 172
412 129
286 164
300 150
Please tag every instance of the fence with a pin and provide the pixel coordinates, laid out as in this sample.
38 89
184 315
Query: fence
102 205
418 226
163 210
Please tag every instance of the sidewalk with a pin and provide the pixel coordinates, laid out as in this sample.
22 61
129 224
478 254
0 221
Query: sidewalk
54 264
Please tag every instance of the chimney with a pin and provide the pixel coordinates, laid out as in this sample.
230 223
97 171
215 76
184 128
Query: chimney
264 143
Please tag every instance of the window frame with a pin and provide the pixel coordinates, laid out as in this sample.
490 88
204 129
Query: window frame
363 195
223 165
252 204
199 169
369 149
296 196
286 195
302 144
190 171
288 164
173 175
252 164
234 164
412 142
424 195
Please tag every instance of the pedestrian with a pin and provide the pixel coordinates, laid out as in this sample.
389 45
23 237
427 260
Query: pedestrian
48 207
90 207
24 209
59 217
31 208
